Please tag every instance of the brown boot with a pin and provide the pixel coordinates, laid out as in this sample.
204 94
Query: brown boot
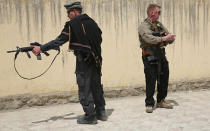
149 109
163 104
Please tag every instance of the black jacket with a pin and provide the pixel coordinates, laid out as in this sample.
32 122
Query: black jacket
85 36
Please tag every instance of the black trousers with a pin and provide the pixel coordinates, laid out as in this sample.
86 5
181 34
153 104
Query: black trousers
90 87
152 76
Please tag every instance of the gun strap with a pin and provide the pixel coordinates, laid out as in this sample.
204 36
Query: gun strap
38 75
94 55
69 38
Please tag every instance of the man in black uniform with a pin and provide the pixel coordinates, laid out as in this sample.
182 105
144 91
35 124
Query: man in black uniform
85 39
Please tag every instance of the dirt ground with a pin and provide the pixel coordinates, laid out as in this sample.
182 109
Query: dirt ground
191 113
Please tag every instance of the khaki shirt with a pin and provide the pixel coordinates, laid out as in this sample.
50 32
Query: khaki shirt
146 30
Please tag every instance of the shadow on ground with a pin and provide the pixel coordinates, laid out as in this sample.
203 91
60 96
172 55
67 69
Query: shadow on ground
173 102
66 117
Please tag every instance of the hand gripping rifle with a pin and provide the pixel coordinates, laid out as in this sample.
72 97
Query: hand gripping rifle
27 50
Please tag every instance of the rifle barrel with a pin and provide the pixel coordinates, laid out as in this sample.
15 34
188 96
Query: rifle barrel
23 49
11 51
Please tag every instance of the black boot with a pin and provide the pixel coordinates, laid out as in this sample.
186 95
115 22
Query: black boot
101 115
87 119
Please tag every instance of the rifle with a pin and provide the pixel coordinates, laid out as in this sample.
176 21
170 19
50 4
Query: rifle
27 50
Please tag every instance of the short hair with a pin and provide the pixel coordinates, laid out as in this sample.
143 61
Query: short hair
151 7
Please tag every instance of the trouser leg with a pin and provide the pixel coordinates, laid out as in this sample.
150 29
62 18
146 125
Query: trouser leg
162 87
84 77
97 91
150 71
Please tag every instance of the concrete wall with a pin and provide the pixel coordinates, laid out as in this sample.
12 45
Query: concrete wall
25 21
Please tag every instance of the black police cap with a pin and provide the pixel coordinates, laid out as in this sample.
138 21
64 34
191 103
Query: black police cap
74 5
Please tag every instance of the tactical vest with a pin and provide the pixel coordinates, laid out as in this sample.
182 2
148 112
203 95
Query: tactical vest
85 35
77 36
156 50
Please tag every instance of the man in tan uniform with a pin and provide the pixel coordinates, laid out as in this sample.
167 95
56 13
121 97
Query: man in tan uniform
154 37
